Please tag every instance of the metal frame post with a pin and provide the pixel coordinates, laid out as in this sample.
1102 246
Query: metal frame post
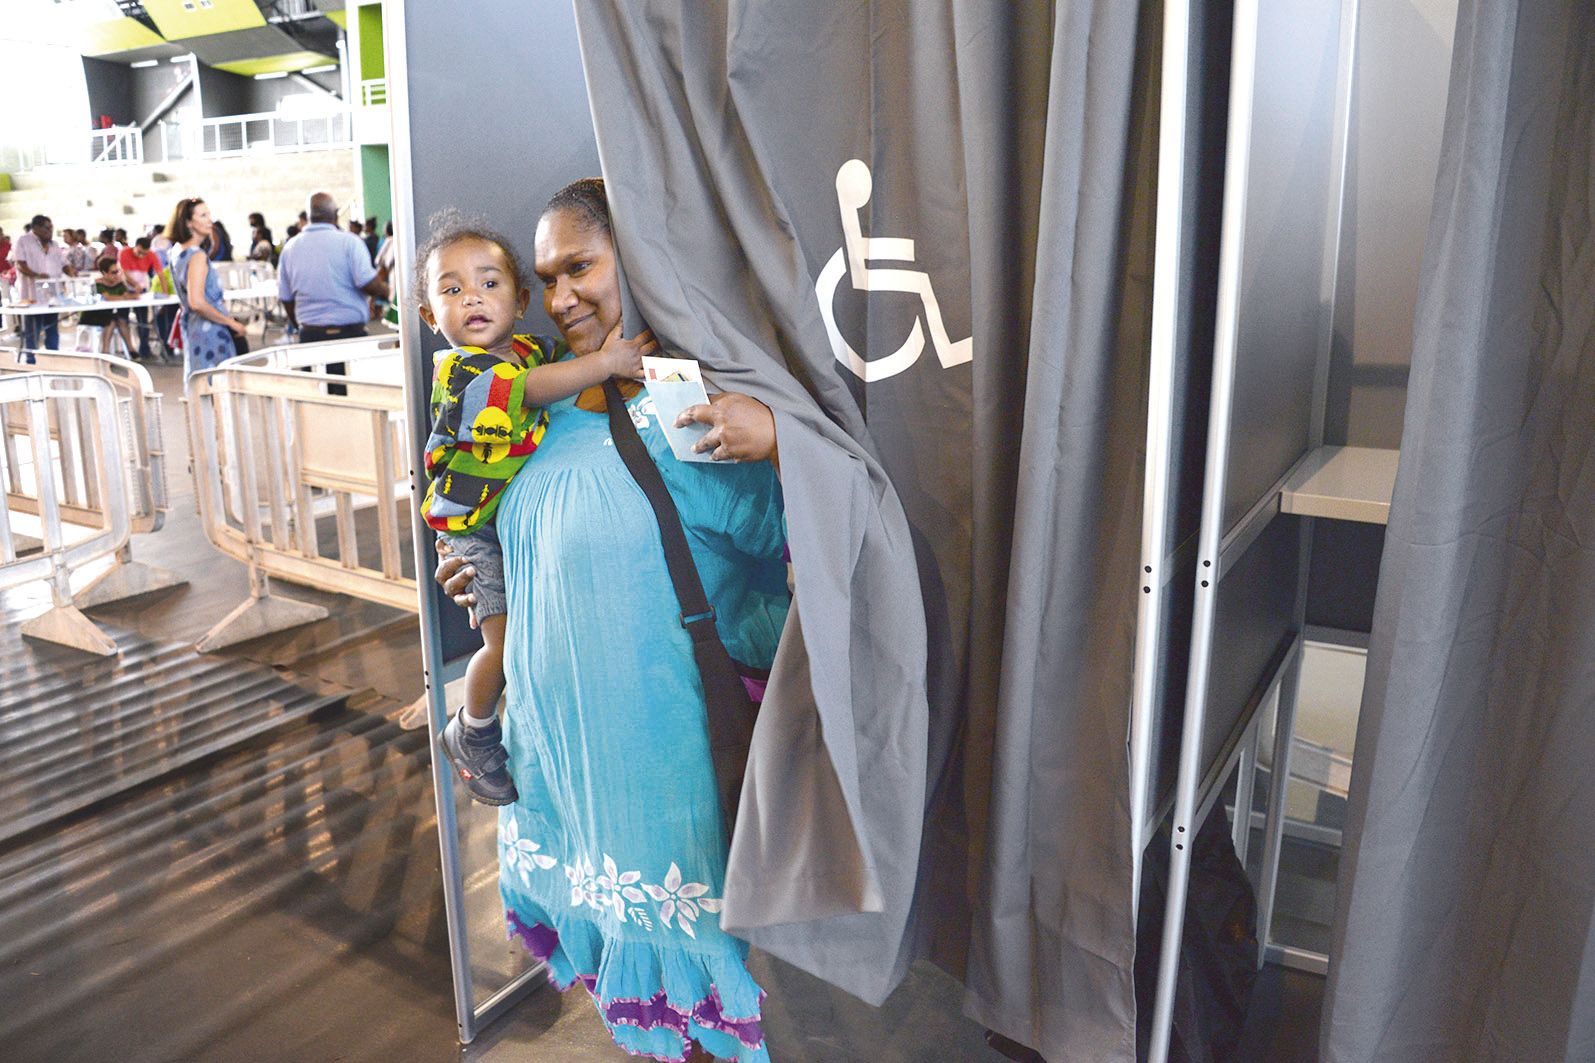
1243 70
400 154
1156 564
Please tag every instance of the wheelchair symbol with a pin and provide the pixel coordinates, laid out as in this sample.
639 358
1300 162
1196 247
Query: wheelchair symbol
853 187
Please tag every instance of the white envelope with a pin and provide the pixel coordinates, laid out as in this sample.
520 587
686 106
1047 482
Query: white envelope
674 384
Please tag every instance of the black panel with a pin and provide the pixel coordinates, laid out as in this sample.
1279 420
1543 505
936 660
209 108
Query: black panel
1174 646
531 149
110 88
1208 117
1344 574
222 95
1207 114
1255 618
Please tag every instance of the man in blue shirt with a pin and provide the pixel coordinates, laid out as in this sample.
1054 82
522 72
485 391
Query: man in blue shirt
323 278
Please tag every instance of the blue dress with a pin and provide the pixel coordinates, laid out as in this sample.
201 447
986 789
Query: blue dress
613 861
205 343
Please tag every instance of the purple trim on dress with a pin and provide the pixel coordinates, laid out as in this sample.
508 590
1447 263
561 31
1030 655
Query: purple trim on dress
646 1014
710 1014
657 1012
755 688
540 941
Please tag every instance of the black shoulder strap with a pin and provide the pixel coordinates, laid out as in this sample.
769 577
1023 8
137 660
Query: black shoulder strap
731 712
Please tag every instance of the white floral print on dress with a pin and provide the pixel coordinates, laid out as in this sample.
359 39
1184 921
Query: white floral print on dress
681 900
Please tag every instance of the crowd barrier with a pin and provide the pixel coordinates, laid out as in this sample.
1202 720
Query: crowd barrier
275 448
78 445
62 464
138 408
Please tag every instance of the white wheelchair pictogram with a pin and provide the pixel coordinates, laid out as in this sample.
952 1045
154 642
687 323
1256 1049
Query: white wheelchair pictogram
853 187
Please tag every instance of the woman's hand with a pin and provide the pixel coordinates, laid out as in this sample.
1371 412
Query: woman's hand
454 576
238 327
741 428
623 357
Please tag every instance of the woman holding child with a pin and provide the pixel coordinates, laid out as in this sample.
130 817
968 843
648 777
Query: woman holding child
612 850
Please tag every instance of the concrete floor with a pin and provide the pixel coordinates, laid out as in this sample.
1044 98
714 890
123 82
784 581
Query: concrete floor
280 900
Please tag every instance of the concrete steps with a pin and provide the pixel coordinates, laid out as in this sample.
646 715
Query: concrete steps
93 197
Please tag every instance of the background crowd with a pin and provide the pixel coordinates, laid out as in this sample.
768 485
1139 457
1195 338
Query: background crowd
128 267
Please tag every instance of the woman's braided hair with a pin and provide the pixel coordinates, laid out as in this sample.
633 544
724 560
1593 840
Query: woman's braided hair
450 226
587 199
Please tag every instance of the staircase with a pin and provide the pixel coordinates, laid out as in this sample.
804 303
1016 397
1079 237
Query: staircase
75 732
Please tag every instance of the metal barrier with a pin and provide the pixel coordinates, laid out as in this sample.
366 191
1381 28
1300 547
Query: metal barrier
274 449
142 457
62 448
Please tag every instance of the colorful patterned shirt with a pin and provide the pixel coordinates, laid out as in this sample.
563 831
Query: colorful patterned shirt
482 432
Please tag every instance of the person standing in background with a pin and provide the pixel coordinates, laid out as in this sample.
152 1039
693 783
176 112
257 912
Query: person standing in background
79 255
208 330
40 258
6 268
373 240
260 247
323 278
139 266
221 245
161 247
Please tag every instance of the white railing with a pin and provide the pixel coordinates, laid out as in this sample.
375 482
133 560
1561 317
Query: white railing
117 145
61 448
20 158
274 133
275 449
374 92
138 419
174 142
143 453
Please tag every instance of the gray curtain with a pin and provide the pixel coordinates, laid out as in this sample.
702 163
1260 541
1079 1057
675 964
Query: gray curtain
1465 924
963 530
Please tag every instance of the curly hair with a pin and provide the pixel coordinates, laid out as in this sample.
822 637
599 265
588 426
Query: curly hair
586 198
449 226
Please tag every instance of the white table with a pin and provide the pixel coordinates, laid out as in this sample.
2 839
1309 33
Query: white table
263 292
35 309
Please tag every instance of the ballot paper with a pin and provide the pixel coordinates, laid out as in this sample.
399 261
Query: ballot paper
674 384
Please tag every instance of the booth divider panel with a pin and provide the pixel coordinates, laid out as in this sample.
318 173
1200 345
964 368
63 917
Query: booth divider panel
1289 187
1255 614
499 154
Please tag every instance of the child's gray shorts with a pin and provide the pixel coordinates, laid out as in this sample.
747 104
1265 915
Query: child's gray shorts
481 550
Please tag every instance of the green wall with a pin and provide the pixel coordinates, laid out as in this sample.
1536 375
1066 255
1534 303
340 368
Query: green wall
371 62
374 186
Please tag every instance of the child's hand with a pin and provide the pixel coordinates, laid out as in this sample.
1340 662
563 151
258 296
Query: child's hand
623 357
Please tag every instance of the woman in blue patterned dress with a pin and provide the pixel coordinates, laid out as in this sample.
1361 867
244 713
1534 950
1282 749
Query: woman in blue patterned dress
612 862
207 329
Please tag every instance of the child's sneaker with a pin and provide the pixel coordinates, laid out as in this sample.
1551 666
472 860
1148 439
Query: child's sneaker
478 754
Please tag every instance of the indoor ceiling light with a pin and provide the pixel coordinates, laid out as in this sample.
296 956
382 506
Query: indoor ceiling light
273 74
144 63
326 69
